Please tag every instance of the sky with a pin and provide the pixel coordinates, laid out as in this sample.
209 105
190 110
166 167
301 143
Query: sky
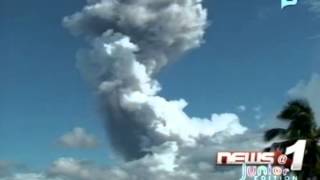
252 54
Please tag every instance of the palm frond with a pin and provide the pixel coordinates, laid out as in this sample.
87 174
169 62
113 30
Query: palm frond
273 133
294 108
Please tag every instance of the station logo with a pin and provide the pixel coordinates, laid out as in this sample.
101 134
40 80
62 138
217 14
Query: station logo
286 3
267 165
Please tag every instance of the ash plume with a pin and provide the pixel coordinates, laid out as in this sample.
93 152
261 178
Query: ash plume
132 40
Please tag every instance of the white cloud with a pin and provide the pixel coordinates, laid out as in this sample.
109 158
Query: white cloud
257 109
5 167
310 91
78 138
241 108
258 116
169 161
314 6
9 167
29 176
257 112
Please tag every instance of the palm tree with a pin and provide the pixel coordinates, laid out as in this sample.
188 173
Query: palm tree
300 117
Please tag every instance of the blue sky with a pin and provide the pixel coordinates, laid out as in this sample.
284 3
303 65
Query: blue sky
253 54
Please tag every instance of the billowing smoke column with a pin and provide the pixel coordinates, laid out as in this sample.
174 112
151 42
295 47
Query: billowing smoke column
132 40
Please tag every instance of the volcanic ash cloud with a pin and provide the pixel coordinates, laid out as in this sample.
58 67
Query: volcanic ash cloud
132 40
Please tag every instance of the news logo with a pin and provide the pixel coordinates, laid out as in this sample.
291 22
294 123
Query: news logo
285 3
267 165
